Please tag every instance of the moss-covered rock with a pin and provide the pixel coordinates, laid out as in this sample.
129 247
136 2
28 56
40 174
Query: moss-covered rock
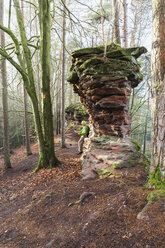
137 144
73 77
104 82
105 172
76 112
94 50
156 179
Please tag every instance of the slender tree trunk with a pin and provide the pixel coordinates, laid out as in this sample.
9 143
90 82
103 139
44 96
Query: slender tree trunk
58 116
146 123
102 21
125 23
7 163
116 22
26 117
133 32
9 14
58 100
158 86
63 145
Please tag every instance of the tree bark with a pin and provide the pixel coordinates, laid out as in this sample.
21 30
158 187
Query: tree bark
133 32
63 145
125 23
158 86
116 22
26 117
47 115
6 150
102 21
146 123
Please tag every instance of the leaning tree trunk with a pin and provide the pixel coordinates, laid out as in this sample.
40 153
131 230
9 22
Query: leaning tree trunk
158 87
26 117
6 150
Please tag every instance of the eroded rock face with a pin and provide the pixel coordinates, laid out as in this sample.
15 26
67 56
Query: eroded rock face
104 85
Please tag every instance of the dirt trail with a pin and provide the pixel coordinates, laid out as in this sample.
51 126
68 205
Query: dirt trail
45 210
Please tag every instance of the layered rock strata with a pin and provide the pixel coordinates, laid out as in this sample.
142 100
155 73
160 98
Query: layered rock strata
104 84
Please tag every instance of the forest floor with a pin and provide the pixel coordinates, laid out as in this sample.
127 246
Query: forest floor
42 210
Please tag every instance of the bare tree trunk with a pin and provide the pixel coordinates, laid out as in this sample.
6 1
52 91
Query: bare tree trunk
158 86
146 123
116 22
133 32
63 78
38 70
7 163
27 134
125 23
9 14
102 20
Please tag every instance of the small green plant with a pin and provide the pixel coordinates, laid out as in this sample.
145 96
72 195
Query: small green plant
104 172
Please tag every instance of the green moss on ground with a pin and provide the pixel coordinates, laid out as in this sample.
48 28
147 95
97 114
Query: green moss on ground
156 196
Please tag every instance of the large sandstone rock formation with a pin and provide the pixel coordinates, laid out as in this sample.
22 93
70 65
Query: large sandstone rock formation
104 85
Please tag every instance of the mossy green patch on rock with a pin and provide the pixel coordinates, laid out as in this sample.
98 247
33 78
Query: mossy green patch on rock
76 112
94 50
116 165
124 164
137 144
156 179
102 141
73 78
104 172
130 161
136 51
118 62
85 51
